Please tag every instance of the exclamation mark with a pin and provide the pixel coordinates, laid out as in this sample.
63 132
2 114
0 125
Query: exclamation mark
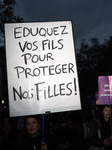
75 86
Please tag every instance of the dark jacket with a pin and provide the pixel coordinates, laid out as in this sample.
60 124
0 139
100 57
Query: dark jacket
93 135
105 132
28 143
67 134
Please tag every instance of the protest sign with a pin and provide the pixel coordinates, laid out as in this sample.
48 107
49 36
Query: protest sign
41 68
105 90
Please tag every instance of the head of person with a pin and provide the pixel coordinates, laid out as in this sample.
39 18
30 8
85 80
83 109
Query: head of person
63 121
106 112
6 121
92 106
32 125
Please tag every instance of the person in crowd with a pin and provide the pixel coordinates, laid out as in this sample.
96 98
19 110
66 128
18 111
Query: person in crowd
87 112
32 138
2 137
82 126
9 132
100 130
93 110
65 134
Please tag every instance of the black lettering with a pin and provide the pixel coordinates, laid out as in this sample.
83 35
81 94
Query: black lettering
18 93
50 33
17 32
42 32
36 32
49 96
45 92
22 48
69 88
27 72
34 58
63 31
58 71
25 94
53 47
46 42
26 32
34 72
59 41
64 68
26 57
55 94
75 86
29 46
19 71
61 89
70 67
36 47
49 56
50 69
40 57
55 31
37 89
43 67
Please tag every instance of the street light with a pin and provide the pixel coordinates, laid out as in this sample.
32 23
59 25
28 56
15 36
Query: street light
3 101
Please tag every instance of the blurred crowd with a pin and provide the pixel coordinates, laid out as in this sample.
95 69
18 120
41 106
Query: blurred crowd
73 130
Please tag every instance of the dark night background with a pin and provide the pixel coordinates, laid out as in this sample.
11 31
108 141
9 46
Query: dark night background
92 28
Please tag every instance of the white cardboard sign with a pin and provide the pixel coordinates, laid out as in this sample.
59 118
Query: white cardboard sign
41 68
